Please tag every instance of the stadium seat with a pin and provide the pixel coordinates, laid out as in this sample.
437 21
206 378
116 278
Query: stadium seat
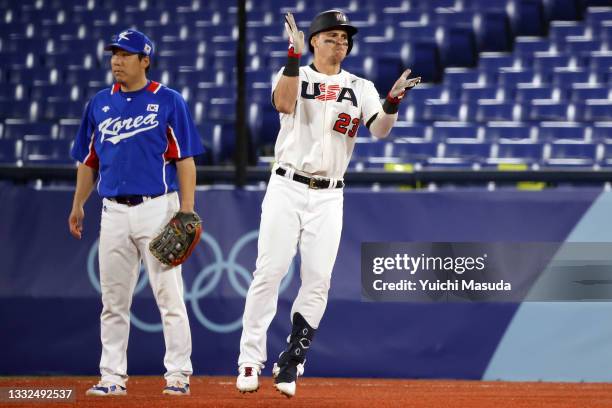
474 151
527 92
569 153
60 108
547 109
38 150
493 31
264 124
493 61
602 131
411 152
471 92
564 9
445 131
15 129
581 92
508 131
10 151
594 110
68 128
458 45
440 110
554 131
366 148
492 110
16 109
528 152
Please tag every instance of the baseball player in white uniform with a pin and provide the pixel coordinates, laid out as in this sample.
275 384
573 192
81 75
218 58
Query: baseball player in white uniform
321 107
138 140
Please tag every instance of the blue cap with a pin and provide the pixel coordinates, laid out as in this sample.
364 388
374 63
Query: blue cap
132 41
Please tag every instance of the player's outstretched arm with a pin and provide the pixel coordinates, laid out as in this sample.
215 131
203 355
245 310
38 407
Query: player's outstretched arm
286 91
86 177
386 118
186 173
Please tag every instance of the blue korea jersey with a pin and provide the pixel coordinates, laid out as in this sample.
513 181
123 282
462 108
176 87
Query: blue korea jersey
134 138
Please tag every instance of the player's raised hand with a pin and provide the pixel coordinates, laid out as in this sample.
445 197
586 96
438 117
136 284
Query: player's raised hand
403 84
75 221
296 37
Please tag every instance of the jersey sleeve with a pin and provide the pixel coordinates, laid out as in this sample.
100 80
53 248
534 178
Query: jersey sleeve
371 102
183 138
83 149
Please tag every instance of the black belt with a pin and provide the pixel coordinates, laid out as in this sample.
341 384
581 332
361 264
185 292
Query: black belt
311 182
132 200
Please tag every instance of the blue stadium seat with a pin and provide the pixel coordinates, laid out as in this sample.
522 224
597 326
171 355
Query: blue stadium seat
471 92
414 151
181 46
410 131
424 60
511 77
15 109
492 110
582 45
46 151
366 148
445 131
582 92
264 124
493 31
475 152
458 46
595 16
60 108
83 76
64 60
206 32
8 92
454 78
36 45
19 60
493 61
221 109
528 18
385 71
16 129
529 152
485 4
601 61
602 131
68 128
421 93
594 110
172 60
439 110
529 92
192 77
546 62
560 30
566 77
43 92
411 31
206 91
568 153
564 9
554 131
526 47
10 151
546 109
507 131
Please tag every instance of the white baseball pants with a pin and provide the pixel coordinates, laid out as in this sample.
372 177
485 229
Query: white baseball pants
293 216
125 234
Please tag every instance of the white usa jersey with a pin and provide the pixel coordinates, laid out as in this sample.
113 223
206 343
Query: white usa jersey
319 136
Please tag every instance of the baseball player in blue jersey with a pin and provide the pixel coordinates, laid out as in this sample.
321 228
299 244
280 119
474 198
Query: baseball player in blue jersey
321 107
136 145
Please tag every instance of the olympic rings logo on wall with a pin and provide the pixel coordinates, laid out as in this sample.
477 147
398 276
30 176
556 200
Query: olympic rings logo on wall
201 286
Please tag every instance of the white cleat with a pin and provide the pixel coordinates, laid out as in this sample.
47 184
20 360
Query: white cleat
287 389
248 378
105 389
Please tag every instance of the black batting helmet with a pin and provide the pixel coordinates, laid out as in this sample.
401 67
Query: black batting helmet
331 20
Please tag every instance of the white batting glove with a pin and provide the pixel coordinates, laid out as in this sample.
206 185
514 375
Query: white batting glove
296 37
400 87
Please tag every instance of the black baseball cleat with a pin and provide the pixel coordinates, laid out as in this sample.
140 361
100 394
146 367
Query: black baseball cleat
290 363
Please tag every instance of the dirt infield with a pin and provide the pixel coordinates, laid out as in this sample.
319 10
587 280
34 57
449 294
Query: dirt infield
329 392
